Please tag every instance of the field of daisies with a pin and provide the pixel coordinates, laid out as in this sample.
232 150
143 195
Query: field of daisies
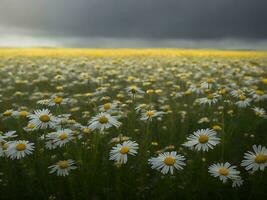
133 126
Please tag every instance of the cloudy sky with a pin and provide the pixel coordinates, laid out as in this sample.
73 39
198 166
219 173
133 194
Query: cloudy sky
237 24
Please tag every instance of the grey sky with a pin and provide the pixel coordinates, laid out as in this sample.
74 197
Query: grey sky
77 22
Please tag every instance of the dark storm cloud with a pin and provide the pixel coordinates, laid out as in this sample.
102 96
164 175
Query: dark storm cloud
171 19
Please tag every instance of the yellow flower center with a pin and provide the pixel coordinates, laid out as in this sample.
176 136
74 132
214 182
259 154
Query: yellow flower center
198 85
124 150
63 164
264 81
133 89
21 147
30 126
58 100
260 158
103 120
217 127
210 80
203 139
23 113
7 113
150 113
107 106
242 97
259 114
44 118
259 92
223 171
149 91
210 96
86 130
5 146
169 160
63 136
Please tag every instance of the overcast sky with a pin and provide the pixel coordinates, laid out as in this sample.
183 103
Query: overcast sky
134 23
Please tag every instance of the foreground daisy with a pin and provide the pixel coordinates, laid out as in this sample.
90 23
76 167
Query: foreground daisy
203 139
225 171
256 160
42 119
103 121
19 149
167 162
62 167
120 152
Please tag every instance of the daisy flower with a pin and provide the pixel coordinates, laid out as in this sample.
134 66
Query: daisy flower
209 99
8 113
21 114
120 152
203 139
256 160
57 100
167 162
3 148
197 88
19 149
133 90
63 167
30 127
148 115
225 171
103 121
259 95
260 112
108 107
43 119
243 101
237 93
61 137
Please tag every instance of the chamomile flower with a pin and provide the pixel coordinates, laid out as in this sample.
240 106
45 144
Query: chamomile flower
63 167
198 88
21 114
256 160
103 121
150 114
203 139
225 171
258 95
243 101
61 137
134 90
19 149
57 100
260 112
120 152
167 162
43 119
30 127
108 107
141 107
209 99
4 148
8 113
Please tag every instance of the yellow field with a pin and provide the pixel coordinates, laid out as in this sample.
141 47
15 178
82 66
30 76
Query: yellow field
12 52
